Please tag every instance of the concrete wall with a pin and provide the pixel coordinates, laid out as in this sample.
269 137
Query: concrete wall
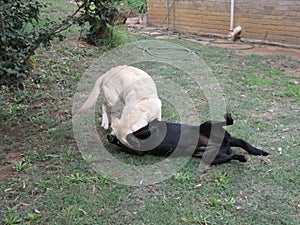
272 20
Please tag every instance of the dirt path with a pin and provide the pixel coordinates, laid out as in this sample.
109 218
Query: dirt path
271 50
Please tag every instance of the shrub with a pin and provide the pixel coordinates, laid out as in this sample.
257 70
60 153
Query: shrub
100 14
20 36
21 33
137 5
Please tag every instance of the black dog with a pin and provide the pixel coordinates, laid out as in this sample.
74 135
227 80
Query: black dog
210 138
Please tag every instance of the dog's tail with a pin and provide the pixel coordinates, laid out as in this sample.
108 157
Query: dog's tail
92 99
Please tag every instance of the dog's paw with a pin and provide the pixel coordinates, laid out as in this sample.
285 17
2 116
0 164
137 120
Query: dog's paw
263 153
240 158
228 118
257 151
104 124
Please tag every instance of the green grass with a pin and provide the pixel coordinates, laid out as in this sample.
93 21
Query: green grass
49 182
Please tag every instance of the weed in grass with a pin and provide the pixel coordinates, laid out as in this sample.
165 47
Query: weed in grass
89 158
229 202
77 178
69 153
224 202
203 220
214 202
11 210
182 177
33 217
222 179
12 220
21 165
44 183
102 180
76 77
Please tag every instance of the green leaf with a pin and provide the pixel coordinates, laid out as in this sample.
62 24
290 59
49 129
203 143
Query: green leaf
92 6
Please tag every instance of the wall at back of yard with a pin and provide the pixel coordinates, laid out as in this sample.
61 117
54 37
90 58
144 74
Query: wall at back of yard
268 20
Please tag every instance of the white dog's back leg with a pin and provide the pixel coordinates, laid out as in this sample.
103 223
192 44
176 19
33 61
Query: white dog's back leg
105 122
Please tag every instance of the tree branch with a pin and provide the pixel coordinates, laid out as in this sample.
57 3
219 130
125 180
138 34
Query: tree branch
61 27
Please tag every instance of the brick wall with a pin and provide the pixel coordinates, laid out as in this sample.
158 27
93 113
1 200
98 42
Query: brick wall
272 20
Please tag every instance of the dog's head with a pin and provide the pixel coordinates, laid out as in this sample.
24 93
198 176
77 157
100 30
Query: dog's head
121 130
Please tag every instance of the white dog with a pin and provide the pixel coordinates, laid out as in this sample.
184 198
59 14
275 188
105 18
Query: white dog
138 92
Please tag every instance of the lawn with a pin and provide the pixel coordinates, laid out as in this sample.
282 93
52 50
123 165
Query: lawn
45 179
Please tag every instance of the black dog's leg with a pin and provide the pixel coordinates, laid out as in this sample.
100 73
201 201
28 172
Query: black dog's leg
224 155
221 158
236 142
224 158
240 158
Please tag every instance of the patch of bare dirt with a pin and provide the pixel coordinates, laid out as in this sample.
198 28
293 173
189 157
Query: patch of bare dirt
271 50
6 164
10 150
